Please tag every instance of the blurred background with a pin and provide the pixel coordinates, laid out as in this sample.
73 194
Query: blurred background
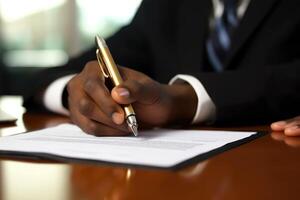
55 30
35 34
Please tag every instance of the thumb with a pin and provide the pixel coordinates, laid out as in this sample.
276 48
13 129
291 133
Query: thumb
132 91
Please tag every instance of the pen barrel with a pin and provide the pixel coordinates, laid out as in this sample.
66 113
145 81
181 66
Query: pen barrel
114 75
129 110
111 67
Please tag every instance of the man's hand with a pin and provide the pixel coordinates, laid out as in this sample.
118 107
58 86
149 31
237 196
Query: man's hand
290 127
97 110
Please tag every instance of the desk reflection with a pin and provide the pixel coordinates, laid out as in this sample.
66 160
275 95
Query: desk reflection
96 182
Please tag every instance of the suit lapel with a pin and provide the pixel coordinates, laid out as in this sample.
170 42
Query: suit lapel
193 26
255 14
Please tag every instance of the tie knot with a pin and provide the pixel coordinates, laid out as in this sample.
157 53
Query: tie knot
230 3
230 12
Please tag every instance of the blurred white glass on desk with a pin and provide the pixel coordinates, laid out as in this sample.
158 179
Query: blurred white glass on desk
11 106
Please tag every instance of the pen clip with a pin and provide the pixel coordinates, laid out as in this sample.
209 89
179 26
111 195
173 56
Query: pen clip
101 64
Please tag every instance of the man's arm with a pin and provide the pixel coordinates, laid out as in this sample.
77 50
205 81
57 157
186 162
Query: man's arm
290 127
254 96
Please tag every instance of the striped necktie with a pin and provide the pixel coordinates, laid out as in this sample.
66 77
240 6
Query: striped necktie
219 40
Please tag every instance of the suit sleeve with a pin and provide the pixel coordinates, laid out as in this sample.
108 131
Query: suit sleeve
254 96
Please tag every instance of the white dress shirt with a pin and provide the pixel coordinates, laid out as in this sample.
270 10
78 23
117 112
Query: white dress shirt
206 109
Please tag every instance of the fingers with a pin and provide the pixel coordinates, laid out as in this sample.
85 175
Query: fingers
136 87
89 109
95 88
292 131
278 126
94 128
93 121
98 92
145 92
290 127
91 106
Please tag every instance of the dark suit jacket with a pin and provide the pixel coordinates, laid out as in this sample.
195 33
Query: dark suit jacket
262 77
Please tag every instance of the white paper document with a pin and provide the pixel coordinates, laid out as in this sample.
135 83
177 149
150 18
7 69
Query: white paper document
159 148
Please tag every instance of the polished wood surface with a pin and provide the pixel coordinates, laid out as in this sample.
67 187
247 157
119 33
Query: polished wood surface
266 168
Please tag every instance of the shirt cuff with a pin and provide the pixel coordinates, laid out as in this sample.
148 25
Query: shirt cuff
206 109
52 98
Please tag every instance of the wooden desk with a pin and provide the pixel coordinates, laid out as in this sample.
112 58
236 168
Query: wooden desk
266 168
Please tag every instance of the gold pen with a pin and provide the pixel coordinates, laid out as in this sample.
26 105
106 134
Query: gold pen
110 70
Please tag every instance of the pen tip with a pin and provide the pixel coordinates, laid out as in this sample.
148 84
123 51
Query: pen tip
132 124
134 130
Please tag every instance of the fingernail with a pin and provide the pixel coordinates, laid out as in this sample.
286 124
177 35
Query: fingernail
117 118
123 92
280 123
